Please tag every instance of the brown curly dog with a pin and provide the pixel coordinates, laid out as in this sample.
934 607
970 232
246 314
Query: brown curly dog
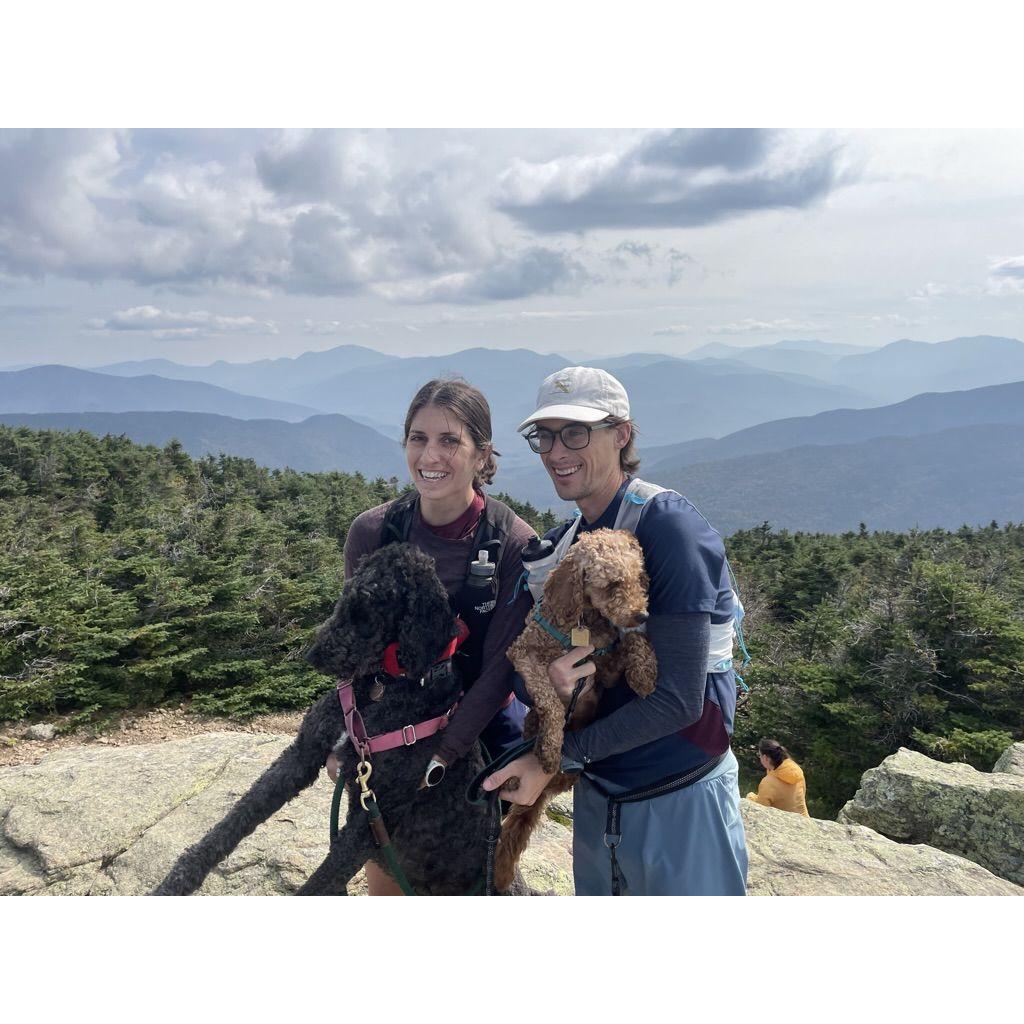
600 585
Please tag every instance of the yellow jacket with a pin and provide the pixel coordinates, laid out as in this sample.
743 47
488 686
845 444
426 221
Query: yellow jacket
783 787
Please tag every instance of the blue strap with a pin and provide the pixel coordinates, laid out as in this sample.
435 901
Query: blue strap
738 628
518 589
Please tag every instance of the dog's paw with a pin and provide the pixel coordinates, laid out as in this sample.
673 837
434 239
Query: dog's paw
641 683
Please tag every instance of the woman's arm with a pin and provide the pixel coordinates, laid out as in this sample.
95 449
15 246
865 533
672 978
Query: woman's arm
762 796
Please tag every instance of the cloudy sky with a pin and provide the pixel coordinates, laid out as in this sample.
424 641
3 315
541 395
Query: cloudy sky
201 245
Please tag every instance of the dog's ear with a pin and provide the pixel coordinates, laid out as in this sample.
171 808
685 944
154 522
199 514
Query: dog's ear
427 625
563 592
337 651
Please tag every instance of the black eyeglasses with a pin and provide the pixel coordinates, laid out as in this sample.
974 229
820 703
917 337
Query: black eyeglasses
574 436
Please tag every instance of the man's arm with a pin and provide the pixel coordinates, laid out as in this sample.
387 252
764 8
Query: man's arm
681 645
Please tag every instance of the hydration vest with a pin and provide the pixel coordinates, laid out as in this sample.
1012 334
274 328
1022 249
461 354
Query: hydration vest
474 605
631 509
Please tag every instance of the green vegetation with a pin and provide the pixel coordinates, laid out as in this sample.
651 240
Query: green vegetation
867 642
132 576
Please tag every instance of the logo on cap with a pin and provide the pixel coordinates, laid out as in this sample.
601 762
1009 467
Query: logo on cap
563 385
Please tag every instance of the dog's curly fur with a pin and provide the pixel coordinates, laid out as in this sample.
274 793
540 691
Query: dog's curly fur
601 584
439 838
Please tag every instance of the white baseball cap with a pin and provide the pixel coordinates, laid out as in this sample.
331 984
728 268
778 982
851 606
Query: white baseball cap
581 393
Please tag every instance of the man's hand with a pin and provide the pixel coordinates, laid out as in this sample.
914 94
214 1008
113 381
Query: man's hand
532 780
564 673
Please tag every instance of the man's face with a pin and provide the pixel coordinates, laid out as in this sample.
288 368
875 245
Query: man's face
579 474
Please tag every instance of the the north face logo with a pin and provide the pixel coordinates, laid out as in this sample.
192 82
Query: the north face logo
564 386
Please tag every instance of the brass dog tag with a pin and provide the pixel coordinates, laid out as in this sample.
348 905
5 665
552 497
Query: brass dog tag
580 637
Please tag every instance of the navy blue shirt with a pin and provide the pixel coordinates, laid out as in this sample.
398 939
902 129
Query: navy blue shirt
685 560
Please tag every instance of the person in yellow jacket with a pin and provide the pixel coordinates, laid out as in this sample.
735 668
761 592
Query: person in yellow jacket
783 785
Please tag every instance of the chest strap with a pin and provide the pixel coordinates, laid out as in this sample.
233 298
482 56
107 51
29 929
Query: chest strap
404 737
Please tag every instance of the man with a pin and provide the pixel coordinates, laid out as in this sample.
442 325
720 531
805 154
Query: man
687 839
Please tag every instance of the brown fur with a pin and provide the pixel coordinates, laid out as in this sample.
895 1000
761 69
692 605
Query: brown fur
600 584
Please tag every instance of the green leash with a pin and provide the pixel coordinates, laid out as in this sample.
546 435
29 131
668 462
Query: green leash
380 835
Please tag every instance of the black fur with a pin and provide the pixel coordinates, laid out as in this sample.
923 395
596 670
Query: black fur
438 836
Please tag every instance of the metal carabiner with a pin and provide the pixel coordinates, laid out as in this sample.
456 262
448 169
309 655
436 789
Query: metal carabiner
363 771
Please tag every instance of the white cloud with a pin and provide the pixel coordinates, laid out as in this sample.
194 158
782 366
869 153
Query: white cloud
681 178
1006 276
412 216
1012 267
895 320
752 326
536 271
674 329
164 324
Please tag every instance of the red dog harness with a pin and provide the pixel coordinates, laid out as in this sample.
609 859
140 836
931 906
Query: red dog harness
408 734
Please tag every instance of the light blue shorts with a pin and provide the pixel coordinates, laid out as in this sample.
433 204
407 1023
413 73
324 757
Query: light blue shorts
686 843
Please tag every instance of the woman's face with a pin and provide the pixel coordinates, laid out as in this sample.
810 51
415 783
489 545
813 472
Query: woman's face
766 762
441 455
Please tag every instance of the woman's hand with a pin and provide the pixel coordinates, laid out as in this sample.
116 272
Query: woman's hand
564 673
532 780
333 767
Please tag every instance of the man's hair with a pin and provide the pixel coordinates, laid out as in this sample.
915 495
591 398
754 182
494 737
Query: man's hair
629 459
469 406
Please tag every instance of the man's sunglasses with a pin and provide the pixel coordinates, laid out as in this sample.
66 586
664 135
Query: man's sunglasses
574 436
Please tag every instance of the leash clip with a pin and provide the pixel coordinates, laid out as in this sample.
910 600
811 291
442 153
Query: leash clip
363 771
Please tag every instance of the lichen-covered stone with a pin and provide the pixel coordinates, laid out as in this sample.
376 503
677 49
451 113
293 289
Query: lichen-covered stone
111 820
791 855
1011 762
953 807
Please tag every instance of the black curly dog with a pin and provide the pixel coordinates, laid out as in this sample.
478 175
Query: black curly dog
439 838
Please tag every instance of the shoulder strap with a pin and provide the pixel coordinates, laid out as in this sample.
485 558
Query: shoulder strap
633 503
564 542
398 519
498 517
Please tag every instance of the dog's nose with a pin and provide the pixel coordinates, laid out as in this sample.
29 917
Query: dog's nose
641 618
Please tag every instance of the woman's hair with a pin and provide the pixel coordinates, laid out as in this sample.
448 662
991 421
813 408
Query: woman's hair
466 403
629 460
774 751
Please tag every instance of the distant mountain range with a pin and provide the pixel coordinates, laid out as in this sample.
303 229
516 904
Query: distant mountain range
965 475
318 444
907 368
813 358
65 389
923 414
280 379
890 373
805 434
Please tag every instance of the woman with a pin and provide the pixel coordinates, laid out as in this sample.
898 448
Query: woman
451 456
783 785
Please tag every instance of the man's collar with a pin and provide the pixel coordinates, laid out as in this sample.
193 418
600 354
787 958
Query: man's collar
611 510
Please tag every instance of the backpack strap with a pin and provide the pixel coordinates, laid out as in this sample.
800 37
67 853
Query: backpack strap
633 503
398 519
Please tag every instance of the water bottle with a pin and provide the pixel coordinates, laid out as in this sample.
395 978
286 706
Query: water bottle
481 571
538 561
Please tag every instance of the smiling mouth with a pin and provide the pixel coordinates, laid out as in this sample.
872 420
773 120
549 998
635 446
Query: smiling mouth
426 474
563 473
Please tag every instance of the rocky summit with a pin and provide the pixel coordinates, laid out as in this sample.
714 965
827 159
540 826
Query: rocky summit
953 807
111 820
